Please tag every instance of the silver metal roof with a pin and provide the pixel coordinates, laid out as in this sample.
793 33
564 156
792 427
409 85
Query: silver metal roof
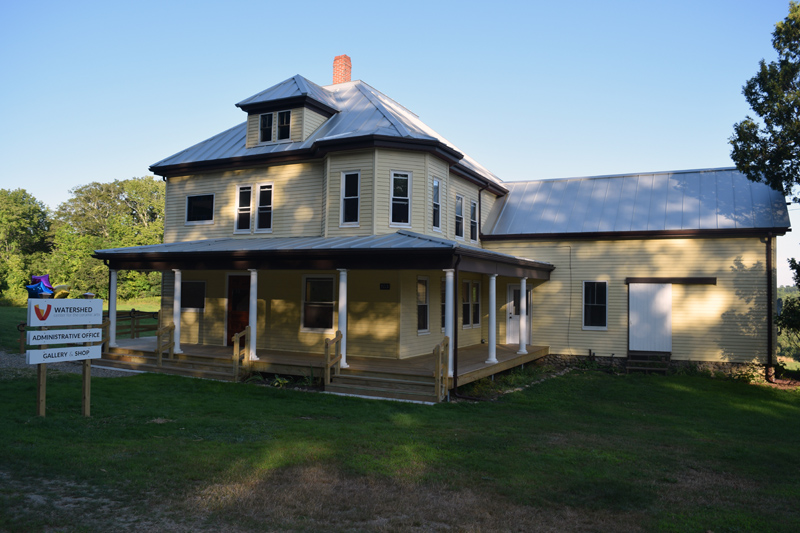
684 200
363 111
402 240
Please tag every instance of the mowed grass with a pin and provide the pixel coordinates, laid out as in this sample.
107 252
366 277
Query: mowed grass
585 451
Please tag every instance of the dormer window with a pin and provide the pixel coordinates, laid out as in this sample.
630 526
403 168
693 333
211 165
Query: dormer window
284 121
265 128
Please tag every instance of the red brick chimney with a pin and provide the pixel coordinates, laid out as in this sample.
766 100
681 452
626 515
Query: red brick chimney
341 69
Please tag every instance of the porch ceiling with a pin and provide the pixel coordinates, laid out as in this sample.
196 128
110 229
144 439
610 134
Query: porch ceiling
403 250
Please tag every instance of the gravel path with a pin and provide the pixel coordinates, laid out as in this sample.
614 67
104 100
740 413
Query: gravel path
13 364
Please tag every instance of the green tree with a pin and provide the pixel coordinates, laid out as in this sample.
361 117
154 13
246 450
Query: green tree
24 239
108 215
767 149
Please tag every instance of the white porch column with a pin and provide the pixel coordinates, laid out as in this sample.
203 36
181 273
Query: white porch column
523 316
492 319
112 310
449 279
252 316
343 313
176 310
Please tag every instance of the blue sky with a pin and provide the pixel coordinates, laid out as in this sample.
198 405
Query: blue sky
98 91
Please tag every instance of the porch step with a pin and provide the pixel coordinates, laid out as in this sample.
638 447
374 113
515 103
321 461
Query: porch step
192 366
207 364
648 362
416 388
164 369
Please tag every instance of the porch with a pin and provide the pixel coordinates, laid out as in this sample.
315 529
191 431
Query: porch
408 379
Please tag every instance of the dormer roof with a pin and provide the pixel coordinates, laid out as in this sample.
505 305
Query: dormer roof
289 93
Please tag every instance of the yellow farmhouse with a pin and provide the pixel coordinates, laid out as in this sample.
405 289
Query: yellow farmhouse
337 209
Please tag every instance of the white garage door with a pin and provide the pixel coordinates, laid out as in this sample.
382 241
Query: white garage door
650 326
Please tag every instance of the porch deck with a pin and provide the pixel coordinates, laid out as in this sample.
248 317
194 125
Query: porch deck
472 364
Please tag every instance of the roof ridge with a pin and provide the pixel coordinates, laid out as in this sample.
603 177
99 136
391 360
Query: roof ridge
374 100
626 175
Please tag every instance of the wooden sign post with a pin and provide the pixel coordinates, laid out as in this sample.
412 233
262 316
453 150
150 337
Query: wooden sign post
43 313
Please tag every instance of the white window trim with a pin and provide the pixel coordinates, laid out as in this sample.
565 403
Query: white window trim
473 203
426 331
303 301
272 132
194 309
455 219
435 203
256 206
236 208
391 198
471 303
583 306
199 222
342 223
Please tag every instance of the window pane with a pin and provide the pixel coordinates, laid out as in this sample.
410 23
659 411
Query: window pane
459 206
244 196
436 220
400 211
465 315
318 316
284 120
436 191
422 291
443 305
319 290
266 128
200 208
459 227
193 295
243 221
422 317
350 210
476 313
265 195
264 218
400 186
350 185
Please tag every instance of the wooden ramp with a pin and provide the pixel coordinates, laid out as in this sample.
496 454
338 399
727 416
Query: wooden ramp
403 379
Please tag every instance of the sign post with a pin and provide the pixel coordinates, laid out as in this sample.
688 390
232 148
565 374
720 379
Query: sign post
44 313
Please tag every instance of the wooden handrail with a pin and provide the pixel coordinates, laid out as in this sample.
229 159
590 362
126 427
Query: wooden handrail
161 345
336 341
441 368
237 351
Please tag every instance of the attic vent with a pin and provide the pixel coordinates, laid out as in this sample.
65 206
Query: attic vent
341 69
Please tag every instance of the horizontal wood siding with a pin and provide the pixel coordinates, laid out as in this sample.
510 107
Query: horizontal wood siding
252 130
361 162
297 201
722 322
311 122
401 161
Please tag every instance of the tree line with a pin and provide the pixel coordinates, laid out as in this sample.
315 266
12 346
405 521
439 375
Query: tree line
35 240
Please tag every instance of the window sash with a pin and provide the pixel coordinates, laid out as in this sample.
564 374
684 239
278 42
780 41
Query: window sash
437 221
473 221
265 128
264 210
460 216
284 125
200 209
318 303
401 198
244 200
422 305
351 185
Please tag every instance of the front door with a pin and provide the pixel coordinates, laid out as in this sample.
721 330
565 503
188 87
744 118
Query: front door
650 320
512 315
238 306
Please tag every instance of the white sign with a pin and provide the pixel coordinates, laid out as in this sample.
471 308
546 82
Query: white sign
65 336
49 312
59 355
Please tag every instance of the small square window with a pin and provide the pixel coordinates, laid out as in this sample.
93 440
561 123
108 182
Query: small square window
200 209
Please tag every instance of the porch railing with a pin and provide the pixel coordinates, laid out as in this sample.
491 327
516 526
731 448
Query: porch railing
165 340
129 323
441 369
336 361
241 350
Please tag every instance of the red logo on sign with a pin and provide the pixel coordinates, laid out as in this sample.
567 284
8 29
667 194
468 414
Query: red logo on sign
42 315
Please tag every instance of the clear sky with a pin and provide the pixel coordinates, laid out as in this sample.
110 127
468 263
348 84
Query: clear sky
100 90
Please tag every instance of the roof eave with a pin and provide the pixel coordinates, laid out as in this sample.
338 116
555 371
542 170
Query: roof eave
633 235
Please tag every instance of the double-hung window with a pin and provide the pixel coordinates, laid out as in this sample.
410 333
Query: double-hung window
459 217
265 128
244 200
200 209
437 208
401 198
264 209
284 123
473 221
350 198
193 296
595 305
422 306
471 304
318 303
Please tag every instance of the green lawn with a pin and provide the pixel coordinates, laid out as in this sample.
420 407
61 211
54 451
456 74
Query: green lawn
586 451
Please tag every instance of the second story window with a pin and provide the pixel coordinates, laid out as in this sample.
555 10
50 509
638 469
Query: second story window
459 217
265 128
264 213
284 123
473 221
200 209
437 208
350 196
244 198
401 198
